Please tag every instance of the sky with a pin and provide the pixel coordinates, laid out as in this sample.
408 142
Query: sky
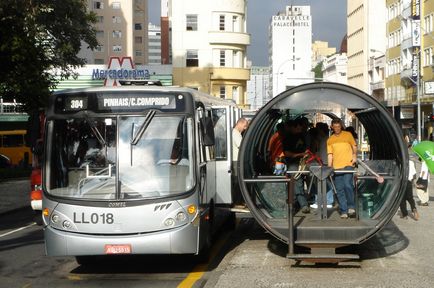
328 18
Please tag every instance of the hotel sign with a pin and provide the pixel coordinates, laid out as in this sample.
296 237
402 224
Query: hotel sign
292 21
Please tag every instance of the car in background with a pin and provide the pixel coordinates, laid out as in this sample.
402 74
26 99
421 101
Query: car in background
36 194
5 161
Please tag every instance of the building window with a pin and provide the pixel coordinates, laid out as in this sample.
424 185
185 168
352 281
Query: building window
192 58
235 94
99 61
116 19
223 92
98 5
222 58
428 23
222 23
138 26
100 19
428 56
138 40
117 34
100 34
99 48
235 24
117 48
191 22
139 53
116 5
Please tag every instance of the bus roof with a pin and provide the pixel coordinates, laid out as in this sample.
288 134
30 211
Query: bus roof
198 95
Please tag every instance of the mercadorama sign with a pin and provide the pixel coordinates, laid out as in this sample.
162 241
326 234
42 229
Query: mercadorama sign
119 68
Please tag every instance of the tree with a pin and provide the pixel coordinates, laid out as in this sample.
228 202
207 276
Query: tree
318 72
38 37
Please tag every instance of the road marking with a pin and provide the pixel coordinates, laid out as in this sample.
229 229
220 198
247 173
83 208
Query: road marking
17 230
200 269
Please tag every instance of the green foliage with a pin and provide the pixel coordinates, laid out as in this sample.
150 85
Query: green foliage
36 38
318 71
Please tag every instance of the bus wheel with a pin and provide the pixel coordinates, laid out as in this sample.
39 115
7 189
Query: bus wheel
231 222
38 218
85 260
204 252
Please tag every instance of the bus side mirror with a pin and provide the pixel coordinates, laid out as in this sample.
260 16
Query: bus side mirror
208 131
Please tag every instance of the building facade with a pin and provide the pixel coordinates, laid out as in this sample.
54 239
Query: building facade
209 41
366 30
290 49
258 86
320 51
154 44
121 30
409 62
334 68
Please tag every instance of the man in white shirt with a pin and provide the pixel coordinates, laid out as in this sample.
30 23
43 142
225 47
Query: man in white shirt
237 137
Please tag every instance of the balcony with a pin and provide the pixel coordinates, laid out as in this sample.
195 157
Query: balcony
226 37
377 85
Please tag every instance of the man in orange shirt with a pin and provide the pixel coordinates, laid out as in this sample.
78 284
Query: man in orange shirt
342 155
275 145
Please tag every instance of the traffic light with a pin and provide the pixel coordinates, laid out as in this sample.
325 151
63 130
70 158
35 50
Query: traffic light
431 118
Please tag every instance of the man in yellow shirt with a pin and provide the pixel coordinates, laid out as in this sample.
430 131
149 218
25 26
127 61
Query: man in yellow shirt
342 155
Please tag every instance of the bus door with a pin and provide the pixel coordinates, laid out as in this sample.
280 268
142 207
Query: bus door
224 120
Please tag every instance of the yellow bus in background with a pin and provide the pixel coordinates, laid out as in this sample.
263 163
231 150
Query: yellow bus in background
13 145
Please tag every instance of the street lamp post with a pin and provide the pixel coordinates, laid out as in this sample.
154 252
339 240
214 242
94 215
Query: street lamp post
280 67
418 97
417 83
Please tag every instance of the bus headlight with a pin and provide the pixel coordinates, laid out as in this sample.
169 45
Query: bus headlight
66 224
55 218
169 222
181 216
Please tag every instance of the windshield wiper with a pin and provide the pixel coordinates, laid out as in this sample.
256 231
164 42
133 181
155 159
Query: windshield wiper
95 130
145 124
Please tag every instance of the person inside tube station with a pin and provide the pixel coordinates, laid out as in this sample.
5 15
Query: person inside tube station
342 155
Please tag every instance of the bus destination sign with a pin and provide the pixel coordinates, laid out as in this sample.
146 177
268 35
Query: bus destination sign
75 103
134 102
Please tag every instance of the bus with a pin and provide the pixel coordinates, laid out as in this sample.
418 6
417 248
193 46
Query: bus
13 145
135 170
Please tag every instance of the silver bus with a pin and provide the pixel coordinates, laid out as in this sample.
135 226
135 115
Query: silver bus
135 170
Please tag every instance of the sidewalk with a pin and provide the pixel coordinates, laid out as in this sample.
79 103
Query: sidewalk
14 194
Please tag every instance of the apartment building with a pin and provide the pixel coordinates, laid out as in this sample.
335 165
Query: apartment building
409 62
366 30
209 40
121 31
320 51
154 44
334 68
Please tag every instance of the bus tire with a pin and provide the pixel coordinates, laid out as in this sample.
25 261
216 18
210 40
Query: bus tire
38 218
85 260
204 252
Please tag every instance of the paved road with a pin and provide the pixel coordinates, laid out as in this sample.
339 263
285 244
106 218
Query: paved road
14 194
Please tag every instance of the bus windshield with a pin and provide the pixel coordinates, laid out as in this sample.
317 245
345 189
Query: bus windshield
123 157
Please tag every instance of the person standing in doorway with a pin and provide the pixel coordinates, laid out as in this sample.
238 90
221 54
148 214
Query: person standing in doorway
240 127
342 155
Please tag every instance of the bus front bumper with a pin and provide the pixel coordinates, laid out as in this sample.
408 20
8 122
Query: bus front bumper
180 240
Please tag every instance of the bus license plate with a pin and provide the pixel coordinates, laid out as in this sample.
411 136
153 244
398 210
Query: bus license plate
117 249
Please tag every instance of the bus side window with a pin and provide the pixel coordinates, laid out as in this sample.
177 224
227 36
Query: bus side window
219 119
